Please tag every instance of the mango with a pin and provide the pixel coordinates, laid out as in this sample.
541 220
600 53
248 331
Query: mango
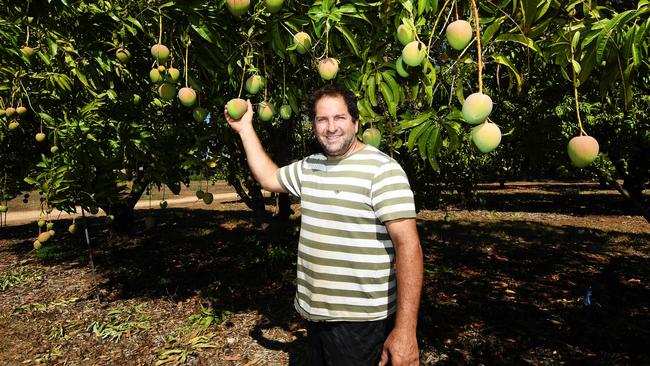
414 53
208 198
285 111
273 6
160 52
21 110
405 34
40 137
486 136
302 41
123 55
155 76
10 111
27 51
187 96
371 136
476 108
199 114
174 74
44 237
265 111
236 108
459 34
238 7
582 150
328 68
254 84
167 91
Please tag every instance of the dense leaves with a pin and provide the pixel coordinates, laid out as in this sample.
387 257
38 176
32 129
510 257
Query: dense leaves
115 136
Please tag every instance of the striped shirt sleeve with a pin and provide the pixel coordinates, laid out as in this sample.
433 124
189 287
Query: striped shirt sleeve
290 177
391 194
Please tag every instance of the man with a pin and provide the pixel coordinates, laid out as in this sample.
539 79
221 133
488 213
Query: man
357 216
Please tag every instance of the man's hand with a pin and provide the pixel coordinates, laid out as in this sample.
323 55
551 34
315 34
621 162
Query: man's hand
401 349
243 123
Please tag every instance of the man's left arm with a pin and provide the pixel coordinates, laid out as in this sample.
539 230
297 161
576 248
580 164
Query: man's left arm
401 346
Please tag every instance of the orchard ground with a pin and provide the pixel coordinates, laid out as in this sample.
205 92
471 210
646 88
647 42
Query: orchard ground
542 274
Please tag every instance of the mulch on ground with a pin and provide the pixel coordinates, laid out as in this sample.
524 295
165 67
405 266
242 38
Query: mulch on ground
508 284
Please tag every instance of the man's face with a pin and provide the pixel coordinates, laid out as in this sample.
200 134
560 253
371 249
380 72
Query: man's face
334 128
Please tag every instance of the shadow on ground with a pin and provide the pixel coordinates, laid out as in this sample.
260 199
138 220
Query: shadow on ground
505 292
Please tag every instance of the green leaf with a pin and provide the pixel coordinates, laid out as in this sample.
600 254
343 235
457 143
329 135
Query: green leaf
501 59
424 139
415 134
47 118
433 147
349 38
407 124
521 39
489 32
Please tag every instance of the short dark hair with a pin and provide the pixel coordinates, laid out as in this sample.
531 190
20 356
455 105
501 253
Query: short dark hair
334 90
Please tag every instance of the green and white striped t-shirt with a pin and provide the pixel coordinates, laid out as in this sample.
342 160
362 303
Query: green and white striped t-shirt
345 254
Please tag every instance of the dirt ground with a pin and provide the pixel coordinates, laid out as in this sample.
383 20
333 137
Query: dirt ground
542 274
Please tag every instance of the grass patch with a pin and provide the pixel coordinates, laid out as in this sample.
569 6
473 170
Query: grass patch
121 322
20 276
45 307
188 341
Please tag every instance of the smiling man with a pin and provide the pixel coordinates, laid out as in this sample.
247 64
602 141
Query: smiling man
359 263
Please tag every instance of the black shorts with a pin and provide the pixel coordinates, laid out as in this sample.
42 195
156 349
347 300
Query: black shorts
347 343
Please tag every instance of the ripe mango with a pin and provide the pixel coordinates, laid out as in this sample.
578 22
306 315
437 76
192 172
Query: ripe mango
27 51
265 111
459 34
236 108
328 68
187 96
155 76
405 34
414 53
21 110
40 137
302 41
160 52
476 108
486 136
174 74
44 237
582 150
238 7
254 84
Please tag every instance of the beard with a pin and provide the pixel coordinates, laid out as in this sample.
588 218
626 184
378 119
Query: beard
338 147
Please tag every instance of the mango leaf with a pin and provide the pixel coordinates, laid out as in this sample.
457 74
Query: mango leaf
500 59
434 142
424 139
521 39
407 124
489 32
349 38
415 134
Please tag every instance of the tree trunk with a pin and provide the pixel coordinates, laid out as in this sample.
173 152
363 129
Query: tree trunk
635 202
283 205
